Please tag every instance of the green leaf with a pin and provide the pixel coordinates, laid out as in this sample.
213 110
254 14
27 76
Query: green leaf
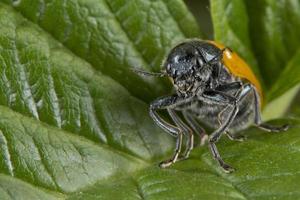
294 109
273 45
259 28
74 124
288 79
280 105
278 57
50 158
284 89
12 188
64 125
230 22
43 80
108 34
267 168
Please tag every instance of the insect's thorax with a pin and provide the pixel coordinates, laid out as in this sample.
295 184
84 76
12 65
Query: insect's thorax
208 112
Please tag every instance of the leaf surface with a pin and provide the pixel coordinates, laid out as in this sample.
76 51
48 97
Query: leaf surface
275 29
74 123
115 36
266 168
230 22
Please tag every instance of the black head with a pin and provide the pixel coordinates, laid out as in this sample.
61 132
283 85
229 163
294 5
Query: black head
181 65
187 65
190 65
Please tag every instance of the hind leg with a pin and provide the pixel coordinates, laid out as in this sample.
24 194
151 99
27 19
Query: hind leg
232 137
258 122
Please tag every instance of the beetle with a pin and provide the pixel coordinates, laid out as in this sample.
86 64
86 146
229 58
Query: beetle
212 85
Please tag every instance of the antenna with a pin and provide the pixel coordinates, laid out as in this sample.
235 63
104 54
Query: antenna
145 73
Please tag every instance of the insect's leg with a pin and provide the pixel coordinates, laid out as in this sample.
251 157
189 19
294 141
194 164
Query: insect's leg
164 103
173 159
222 98
239 138
257 117
174 131
146 73
216 136
196 127
229 87
186 130
228 134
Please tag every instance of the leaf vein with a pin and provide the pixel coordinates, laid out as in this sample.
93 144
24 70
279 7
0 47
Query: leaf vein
26 93
43 161
7 157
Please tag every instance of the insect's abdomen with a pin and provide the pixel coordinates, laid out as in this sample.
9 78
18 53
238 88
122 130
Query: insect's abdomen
208 114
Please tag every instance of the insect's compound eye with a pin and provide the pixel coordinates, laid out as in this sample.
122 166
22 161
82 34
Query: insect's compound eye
188 58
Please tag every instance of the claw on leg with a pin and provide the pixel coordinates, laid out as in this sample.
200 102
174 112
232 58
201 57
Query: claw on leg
227 168
271 128
235 138
168 163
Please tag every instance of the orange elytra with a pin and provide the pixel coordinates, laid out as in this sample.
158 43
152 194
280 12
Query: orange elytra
238 67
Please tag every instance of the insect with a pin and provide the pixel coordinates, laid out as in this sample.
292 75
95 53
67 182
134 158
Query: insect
212 85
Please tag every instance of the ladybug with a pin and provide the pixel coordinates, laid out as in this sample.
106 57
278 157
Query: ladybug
214 86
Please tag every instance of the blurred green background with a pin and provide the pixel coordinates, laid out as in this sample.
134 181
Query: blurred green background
200 9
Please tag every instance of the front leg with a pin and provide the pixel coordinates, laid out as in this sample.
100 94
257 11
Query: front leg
186 130
168 102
